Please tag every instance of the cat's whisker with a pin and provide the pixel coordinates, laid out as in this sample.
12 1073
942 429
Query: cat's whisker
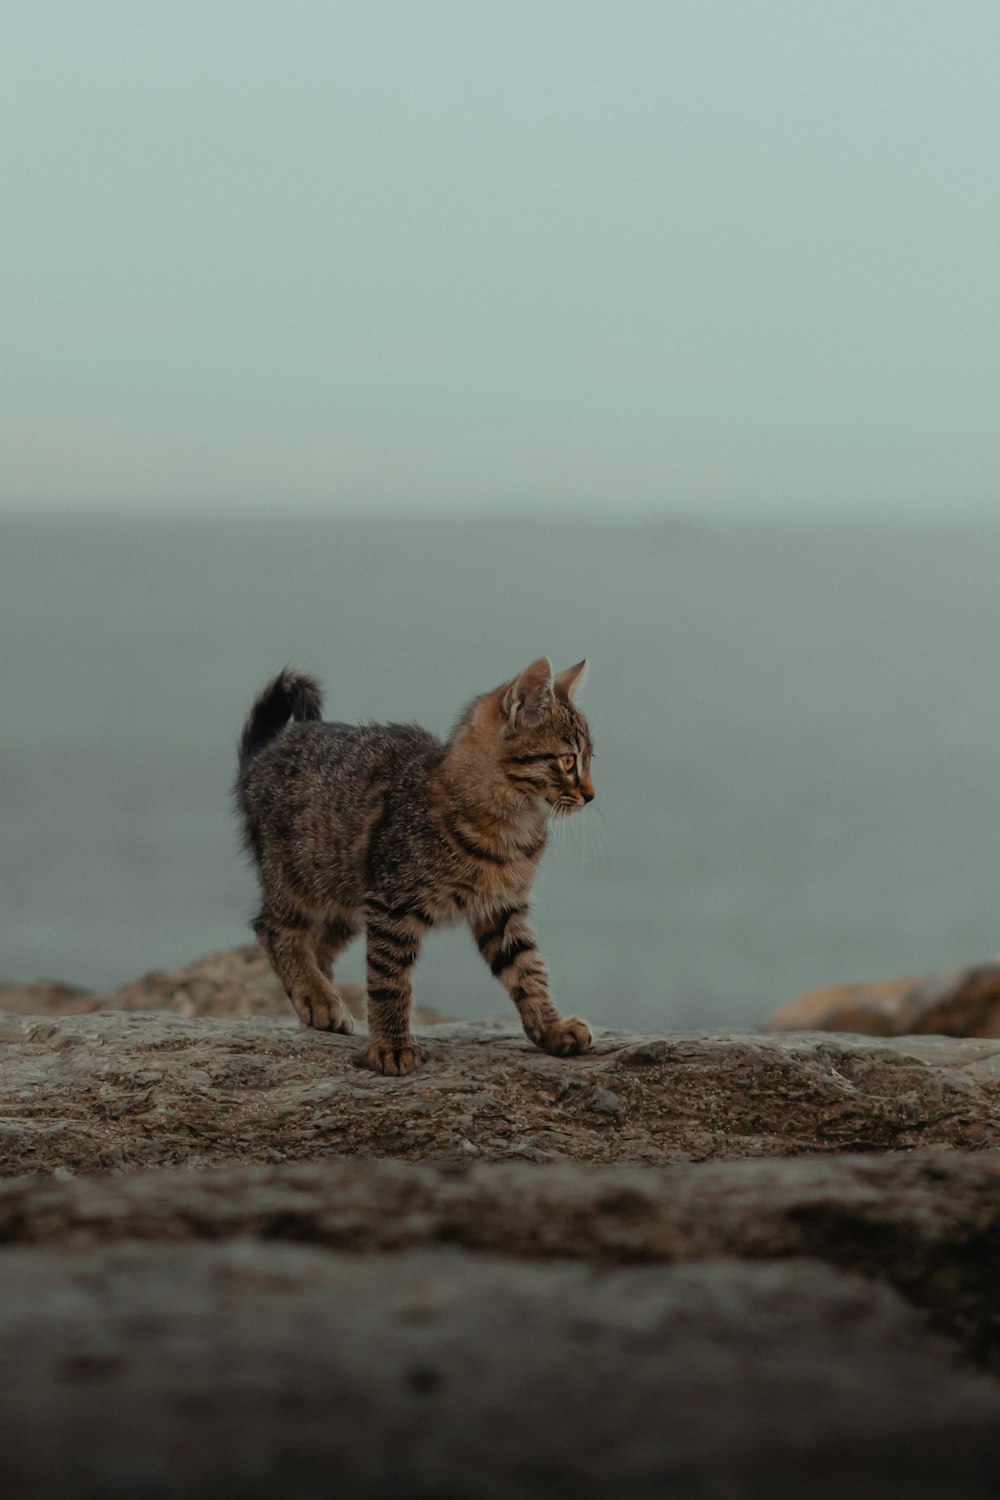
595 845
589 837
597 835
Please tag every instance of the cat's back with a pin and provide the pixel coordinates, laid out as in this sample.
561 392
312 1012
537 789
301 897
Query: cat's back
312 797
332 754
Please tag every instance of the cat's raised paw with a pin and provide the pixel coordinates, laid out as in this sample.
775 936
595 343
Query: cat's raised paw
326 1017
320 1012
341 1023
394 1058
566 1038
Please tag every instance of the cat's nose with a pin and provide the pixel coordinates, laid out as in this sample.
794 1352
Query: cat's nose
588 796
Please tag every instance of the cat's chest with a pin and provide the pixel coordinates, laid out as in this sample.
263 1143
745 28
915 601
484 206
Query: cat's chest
496 886
477 884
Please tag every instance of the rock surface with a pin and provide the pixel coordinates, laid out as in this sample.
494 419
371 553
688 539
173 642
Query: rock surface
259 1370
962 1002
239 1265
96 1092
926 1224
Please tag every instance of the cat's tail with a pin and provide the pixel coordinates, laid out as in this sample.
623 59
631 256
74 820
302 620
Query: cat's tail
291 695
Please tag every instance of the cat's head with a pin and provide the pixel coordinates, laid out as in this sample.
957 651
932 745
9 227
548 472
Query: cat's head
536 737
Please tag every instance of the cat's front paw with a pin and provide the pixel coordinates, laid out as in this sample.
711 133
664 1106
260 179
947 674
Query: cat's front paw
394 1058
566 1038
333 1020
321 1012
330 1016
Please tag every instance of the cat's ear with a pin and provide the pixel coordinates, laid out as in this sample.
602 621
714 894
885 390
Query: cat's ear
528 699
566 684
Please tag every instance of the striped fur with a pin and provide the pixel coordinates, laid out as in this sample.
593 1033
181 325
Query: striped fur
382 826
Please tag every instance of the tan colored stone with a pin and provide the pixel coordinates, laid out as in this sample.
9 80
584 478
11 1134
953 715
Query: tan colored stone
46 998
235 982
962 1002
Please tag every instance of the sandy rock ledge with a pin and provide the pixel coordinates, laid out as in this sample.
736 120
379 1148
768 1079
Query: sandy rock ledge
235 1264
104 1091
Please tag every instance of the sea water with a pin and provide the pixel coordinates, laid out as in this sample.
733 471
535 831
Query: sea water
797 732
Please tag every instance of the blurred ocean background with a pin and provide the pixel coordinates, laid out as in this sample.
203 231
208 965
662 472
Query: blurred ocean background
663 334
797 732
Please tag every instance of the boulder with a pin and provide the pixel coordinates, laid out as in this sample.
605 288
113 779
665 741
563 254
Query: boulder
49 997
235 982
960 1002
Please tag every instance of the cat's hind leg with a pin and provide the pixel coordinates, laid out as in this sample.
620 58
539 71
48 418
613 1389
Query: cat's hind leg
330 937
286 936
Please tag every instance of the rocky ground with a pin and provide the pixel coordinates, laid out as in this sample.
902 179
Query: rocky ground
235 1264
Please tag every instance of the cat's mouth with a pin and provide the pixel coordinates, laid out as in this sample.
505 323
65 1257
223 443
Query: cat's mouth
562 807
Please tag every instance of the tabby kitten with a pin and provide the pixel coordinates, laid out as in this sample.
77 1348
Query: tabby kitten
383 826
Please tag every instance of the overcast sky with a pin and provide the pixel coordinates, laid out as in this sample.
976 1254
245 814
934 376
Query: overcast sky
696 256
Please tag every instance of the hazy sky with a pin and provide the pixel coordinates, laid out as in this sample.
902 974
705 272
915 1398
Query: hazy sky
687 255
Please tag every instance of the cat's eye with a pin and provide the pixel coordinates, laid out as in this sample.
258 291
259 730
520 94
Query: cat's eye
568 762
